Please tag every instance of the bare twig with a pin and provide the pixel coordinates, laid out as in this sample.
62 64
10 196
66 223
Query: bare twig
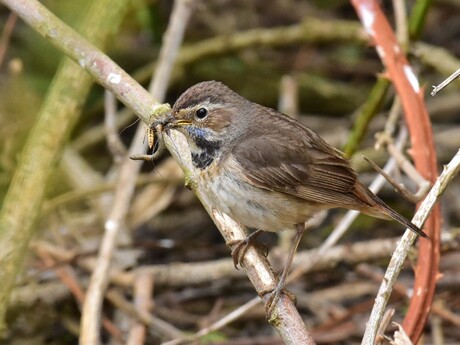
126 182
399 187
422 184
400 336
67 275
289 96
437 331
446 82
171 43
143 287
402 32
116 147
440 310
404 246
6 34
218 324
394 114
383 325
180 274
158 326
162 195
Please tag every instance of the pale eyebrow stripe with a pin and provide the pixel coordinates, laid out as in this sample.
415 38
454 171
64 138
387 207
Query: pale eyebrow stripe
206 104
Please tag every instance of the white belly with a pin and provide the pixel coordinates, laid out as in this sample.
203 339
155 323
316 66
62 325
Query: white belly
254 207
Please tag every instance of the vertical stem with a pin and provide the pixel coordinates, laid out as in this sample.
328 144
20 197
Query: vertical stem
44 145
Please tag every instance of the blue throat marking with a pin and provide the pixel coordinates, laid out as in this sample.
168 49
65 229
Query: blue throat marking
208 148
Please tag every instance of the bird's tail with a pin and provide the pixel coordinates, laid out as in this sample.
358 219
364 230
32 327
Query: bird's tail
377 208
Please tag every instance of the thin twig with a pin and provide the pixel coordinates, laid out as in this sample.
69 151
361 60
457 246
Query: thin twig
446 82
157 325
383 325
115 145
390 125
437 331
422 184
288 102
124 191
400 336
393 116
234 315
68 276
6 35
143 287
404 246
399 187
172 40
402 32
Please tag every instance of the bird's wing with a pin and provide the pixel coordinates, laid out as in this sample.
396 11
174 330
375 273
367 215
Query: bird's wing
290 158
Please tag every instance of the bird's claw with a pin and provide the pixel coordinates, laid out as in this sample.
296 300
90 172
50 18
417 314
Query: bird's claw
272 301
241 247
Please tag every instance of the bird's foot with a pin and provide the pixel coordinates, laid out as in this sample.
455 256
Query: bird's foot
241 247
273 299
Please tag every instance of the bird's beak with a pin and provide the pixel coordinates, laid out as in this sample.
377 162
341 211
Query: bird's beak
168 121
174 123
181 122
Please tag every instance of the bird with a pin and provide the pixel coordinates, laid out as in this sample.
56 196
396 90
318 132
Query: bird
264 169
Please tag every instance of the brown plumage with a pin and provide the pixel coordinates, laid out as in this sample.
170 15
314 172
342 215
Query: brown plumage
264 169
262 150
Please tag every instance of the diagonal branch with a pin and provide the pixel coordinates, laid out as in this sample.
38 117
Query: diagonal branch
106 72
289 323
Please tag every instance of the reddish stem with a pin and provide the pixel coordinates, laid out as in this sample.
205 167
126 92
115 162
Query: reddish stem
68 277
6 35
423 152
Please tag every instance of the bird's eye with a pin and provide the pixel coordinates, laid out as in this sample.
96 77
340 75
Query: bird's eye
201 113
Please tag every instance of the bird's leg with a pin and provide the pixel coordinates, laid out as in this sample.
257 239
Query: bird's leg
276 293
241 247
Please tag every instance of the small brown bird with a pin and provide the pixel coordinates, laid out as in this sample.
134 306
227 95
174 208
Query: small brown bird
264 169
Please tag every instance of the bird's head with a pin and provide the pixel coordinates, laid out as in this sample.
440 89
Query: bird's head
211 116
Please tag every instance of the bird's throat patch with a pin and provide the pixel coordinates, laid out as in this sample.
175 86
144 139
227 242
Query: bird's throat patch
206 152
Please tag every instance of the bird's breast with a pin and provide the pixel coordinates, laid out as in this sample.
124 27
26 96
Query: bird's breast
230 192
